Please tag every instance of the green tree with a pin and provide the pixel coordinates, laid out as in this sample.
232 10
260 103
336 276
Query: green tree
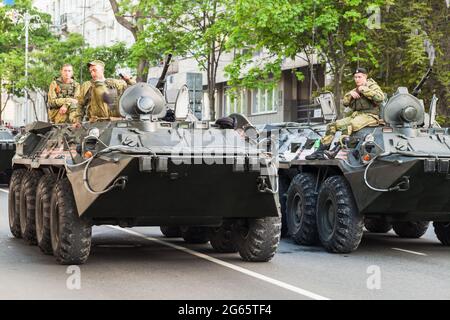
12 47
192 28
407 25
337 31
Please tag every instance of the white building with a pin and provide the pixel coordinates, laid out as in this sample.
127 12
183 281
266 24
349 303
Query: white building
94 16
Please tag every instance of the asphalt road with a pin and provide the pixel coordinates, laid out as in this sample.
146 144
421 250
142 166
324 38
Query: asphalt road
139 263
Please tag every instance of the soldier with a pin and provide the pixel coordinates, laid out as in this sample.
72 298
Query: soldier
362 110
62 95
99 97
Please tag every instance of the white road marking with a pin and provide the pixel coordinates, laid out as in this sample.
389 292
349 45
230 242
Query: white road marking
4 190
250 273
409 251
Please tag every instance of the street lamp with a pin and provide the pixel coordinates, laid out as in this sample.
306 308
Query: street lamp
31 22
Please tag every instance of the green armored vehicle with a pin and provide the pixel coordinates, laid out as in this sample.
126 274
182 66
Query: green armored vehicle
7 150
208 182
391 176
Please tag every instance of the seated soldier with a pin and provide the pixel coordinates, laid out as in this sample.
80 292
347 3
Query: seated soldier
62 97
363 110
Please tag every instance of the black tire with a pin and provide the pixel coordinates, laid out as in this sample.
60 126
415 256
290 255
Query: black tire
43 203
376 225
442 230
257 239
282 196
410 229
301 209
170 232
28 206
70 234
221 238
195 235
339 221
14 202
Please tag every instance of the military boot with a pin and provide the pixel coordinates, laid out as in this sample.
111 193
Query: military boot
319 154
331 154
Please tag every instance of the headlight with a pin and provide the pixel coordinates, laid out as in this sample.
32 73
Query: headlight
94 132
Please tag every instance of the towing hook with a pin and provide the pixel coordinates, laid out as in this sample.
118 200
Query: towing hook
121 182
402 186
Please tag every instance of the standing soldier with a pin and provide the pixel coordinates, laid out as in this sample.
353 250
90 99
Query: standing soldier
62 95
362 110
99 97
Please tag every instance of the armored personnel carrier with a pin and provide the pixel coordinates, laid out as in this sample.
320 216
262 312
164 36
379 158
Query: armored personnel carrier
391 176
7 150
209 183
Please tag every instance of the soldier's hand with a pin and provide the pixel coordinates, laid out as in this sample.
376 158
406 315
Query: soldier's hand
355 95
63 110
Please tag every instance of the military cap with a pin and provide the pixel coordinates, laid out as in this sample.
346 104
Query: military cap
360 70
96 63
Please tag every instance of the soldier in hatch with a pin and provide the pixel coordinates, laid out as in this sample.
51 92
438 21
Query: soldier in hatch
62 95
362 110
99 97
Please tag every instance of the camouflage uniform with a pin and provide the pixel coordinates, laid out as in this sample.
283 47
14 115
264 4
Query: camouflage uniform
364 112
99 100
59 95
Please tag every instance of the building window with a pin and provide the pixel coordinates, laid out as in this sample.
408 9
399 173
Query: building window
266 100
235 103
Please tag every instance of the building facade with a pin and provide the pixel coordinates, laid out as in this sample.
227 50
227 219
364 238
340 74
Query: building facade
93 18
284 103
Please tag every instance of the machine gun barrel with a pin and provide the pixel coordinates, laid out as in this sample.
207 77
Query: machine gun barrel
162 79
422 82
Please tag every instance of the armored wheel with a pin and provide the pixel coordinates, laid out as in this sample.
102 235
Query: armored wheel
409 229
339 222
221 238
257 239
43 201
283 192
195 234
70 234
301 209
442 230
14 202
170 232
377 225
28 205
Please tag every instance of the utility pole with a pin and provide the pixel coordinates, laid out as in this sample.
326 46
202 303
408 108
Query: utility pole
27 20
83 28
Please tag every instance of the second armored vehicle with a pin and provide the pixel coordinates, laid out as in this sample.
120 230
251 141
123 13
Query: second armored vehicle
391 176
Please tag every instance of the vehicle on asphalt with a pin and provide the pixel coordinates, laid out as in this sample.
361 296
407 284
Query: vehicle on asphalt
393 176
195 179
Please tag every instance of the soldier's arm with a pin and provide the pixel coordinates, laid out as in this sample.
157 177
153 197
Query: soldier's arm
347 99
76 114
53 100
372 92
52 96
121 85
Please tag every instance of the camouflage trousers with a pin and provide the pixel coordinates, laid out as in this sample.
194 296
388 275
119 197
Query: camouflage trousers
54 116
348 125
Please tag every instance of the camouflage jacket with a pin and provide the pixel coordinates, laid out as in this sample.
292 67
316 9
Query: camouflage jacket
371 98
99 100
60 94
